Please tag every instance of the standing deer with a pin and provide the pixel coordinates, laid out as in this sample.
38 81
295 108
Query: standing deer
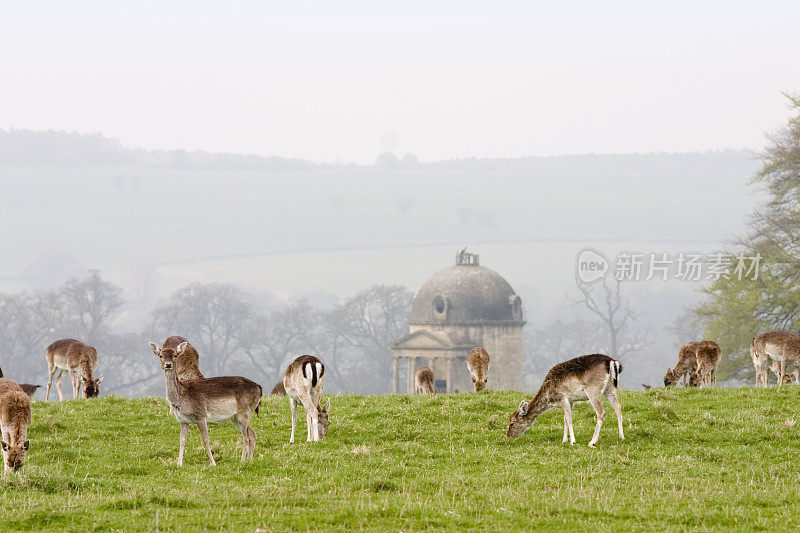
781 347
708 355
478 365
214 400
303 382
15 417
588 377
77 358
423 381
686 365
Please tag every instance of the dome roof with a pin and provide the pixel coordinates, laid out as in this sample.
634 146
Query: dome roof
466 293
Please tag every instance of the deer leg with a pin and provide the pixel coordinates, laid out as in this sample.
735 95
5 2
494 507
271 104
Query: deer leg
182 442
293 405
58 385
601 415
783 372
203 426
252 434
611 394
311 418
51 370
566 429
74 377
567 406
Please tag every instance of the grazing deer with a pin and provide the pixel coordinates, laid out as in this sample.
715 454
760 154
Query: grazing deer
708 355
214 400
781 347
686 365
279 389
15 417
77 358
589 377
794 377
478 365
423 381
303 381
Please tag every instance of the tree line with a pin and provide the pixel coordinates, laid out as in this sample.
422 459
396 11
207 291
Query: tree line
235 331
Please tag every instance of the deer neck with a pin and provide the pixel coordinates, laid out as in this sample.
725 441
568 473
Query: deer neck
173 388
540 403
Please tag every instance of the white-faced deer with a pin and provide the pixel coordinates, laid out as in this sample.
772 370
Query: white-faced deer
77 358
423 381
303 381
708 355
686 365
210 401
15 417
478 365
589 377
781 347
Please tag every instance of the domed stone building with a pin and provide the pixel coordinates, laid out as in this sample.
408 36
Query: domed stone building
457 309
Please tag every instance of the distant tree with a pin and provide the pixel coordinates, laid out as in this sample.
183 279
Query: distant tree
89 303
737 308
386 160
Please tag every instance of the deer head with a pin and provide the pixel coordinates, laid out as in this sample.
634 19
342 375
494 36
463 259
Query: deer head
91 387
671 378
168 356
322 419
479 384
14 455
518 421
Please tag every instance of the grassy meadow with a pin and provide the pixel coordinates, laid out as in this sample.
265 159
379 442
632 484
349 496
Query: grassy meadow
692 460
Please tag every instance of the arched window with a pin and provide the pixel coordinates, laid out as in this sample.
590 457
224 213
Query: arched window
439 305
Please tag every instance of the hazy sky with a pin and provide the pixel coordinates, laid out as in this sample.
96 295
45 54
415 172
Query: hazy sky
343 81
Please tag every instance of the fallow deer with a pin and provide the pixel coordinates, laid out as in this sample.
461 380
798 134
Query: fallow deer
77 358
423 381
478 365
279 389
708 356
303 381
686 365
781 347
15 417
589 377
214 400
788 378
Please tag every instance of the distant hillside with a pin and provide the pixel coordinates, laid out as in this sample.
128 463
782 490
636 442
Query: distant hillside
26 147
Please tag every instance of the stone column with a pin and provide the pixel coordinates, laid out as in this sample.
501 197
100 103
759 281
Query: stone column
449 365
395 376
412 364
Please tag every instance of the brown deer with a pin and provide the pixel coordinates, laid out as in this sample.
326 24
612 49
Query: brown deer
686 365
423 381
15 417
478 365
781 347
588 377
214 400
279 389
303 381
708 355
77 358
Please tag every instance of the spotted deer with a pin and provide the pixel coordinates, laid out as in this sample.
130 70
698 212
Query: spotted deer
588 377
15 417
423 381
478 365
303 381
686 365
77 358
210 401
780 347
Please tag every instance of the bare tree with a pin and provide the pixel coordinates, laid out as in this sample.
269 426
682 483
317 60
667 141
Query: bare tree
606 301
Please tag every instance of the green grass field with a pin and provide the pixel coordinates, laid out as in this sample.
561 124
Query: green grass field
692 459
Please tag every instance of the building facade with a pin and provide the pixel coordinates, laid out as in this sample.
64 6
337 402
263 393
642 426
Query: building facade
461 307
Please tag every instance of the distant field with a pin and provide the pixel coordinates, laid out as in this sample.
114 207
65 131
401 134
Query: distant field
693 460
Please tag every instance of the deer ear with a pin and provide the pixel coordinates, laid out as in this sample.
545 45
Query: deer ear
99 380
523 408
155 348
26 445
181 348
